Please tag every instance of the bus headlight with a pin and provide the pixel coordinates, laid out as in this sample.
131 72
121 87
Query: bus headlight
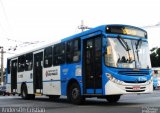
150 81
111 78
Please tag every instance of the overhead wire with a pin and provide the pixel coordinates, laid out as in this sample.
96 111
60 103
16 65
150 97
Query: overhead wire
4 11
151 26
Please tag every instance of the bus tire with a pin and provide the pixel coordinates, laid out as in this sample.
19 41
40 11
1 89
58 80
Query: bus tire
113 98
75 94
13 94
4 94
24 92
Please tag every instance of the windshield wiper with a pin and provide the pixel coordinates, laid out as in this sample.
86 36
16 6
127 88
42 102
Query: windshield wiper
139 43
123 43
125 46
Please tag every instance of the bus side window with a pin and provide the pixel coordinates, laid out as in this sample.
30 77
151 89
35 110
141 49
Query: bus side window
55 50
73 51
29 62
21 63
69 52
59 54
48 57
76 54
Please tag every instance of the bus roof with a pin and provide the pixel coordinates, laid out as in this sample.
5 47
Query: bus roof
101 28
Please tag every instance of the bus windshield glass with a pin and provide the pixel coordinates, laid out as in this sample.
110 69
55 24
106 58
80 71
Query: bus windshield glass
127 53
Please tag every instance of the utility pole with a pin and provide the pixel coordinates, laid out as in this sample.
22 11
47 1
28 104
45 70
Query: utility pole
83 27
2 52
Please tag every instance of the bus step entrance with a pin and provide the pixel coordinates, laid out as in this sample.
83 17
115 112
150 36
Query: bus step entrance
38 94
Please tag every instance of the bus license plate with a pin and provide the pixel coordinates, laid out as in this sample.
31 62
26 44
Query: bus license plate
136 87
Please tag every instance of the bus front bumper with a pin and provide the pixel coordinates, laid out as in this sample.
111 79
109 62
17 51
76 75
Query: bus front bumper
112 88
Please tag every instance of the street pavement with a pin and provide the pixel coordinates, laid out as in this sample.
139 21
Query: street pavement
132 103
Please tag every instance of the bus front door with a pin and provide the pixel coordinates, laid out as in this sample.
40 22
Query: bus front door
13 76
92 65
37 72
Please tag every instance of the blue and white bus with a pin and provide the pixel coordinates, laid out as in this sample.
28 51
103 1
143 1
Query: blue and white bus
105 62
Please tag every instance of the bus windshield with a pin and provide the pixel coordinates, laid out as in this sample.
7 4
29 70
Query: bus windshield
127 53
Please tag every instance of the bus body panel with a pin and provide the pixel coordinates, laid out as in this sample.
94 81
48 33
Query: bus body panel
52 81
52 88
70 72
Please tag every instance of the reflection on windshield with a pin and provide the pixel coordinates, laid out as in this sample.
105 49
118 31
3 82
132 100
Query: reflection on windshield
125 53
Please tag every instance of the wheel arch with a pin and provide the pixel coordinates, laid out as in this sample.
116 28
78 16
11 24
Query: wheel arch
70 82
23 84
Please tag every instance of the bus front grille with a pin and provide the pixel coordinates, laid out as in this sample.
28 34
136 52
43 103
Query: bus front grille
133 73
131 89
135 90
134 82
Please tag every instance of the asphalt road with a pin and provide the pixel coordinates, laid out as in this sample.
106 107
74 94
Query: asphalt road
144 103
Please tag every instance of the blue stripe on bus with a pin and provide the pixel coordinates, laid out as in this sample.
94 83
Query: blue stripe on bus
94 91
90 91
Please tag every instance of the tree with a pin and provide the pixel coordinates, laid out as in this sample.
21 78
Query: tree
155 57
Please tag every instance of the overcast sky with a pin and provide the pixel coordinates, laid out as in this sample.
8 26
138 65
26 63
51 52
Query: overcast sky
51 20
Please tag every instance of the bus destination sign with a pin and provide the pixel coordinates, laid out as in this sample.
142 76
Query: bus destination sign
125 30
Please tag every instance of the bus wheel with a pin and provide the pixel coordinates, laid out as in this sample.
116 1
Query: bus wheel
4 93
24 92
113 98
75 94
13 94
